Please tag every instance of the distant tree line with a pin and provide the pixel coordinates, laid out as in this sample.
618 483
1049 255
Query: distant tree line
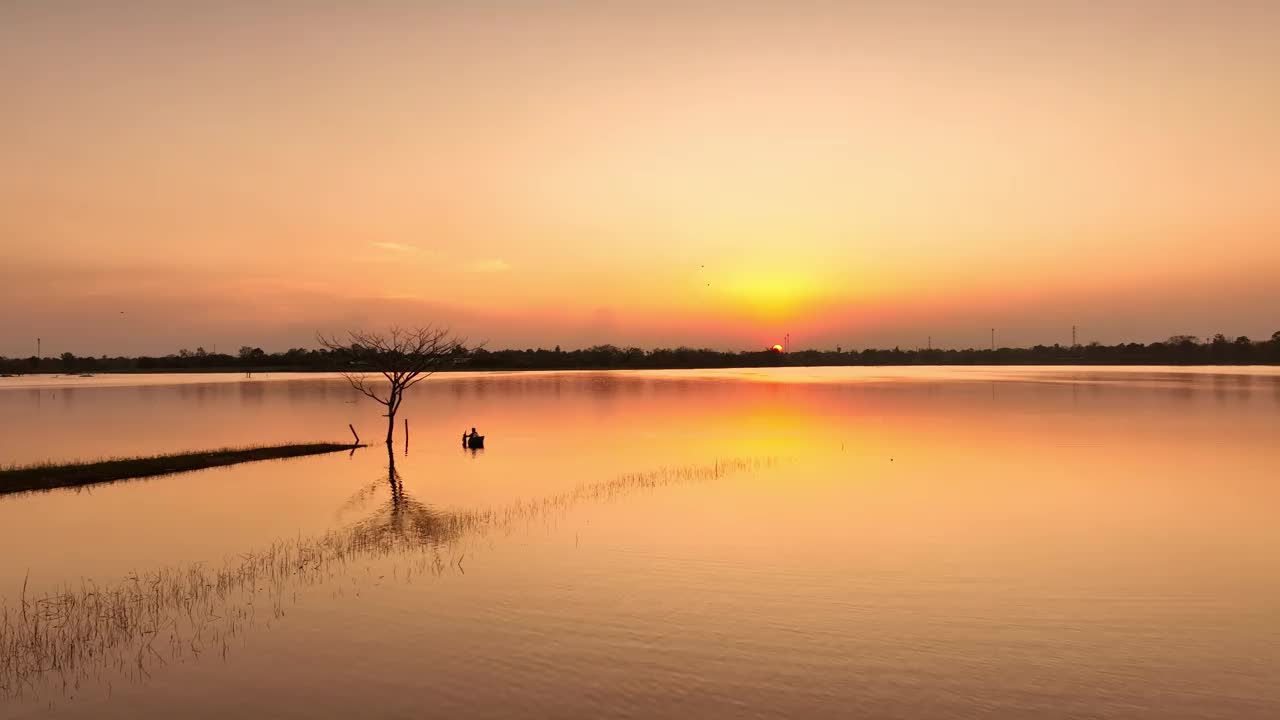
1177 350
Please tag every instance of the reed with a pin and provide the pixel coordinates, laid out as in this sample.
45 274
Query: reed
47 476
88 632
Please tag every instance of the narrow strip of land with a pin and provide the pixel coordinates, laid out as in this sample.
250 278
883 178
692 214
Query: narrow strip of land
49 476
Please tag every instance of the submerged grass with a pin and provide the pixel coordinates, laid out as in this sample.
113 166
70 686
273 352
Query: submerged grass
96 633
47 476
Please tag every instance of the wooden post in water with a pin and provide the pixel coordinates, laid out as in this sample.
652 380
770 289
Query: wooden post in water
406 436
353 432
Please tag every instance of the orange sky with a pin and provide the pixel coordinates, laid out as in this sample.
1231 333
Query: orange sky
651 173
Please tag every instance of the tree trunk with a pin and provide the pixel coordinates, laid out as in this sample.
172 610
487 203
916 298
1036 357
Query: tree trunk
393 405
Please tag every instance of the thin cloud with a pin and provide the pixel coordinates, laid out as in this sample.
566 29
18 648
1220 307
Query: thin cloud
491 265
397 247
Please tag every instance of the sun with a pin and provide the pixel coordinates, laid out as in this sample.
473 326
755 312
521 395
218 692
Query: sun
777 348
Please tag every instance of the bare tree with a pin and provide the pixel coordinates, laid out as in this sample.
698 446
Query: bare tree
402 357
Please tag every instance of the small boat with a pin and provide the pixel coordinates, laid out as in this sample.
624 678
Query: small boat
475 441
86 374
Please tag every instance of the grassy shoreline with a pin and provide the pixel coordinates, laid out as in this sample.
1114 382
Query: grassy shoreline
1073 362
56 475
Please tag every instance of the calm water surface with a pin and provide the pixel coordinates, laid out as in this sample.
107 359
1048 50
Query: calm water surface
897 543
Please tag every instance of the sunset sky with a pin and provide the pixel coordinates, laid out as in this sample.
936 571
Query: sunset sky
718 174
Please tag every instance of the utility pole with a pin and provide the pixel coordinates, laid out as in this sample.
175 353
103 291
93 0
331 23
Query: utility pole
993 339
1073 337
37 350
930 342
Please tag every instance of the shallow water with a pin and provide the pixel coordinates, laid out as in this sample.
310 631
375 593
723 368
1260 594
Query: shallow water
875 542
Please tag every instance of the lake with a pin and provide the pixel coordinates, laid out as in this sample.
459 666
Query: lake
801 542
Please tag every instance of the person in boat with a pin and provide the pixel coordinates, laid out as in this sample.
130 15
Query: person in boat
466 436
